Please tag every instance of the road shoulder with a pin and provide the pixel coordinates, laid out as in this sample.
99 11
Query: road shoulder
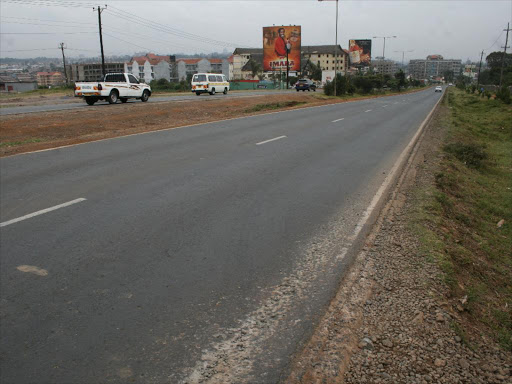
390 320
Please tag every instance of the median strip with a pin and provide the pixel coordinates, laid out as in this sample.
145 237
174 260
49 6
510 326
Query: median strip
43 211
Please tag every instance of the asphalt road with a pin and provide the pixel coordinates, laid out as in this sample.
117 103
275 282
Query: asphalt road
154 99
206 251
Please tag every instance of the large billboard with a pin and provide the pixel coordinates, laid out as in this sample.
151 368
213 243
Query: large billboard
360 53
277 42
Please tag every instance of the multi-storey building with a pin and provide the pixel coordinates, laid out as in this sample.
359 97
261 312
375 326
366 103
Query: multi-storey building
92 71
319 55
434 66
154 67
387 67
50 79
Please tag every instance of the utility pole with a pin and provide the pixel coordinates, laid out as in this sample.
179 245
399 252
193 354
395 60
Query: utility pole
99 9
64 62
479 69
504 53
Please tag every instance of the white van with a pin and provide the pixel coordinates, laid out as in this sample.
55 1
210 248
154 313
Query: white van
209 82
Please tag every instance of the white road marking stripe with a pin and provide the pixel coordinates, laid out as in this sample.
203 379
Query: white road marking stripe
368 110
338 120
396 102
268 141
43 211
384 106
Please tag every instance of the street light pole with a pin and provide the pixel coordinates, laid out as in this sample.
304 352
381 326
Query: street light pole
403 54
335 49
384 47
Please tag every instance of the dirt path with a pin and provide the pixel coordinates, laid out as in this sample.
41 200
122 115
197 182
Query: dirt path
390 321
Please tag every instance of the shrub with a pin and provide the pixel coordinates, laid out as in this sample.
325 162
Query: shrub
470 154
504 95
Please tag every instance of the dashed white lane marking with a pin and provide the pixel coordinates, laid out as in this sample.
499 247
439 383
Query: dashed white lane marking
384 106
368 110
338 120
268 141
43 211
396 102
32 269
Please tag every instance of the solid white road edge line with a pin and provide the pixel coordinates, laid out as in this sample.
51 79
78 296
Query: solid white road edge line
392 174
41 212
268 141
338 120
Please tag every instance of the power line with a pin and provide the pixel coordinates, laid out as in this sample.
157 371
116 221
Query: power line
164 28
44 33
47 25
56 21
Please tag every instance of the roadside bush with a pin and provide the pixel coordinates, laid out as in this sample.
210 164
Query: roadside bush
472 155
504 95
164 85
343 86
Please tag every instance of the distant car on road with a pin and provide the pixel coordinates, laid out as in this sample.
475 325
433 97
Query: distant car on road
305 85
450 85
439 89
117 86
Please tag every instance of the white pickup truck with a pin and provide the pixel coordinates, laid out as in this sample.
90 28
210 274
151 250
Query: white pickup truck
117 86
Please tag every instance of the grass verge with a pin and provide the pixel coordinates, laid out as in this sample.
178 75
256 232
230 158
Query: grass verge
276 105
465 221
15 143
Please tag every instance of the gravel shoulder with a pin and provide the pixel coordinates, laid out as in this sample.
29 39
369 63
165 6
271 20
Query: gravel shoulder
391 320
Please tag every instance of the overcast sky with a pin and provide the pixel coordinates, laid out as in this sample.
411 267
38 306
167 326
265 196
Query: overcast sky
454 29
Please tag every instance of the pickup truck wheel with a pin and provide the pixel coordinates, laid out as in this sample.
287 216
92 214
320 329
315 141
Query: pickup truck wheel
90 100
212 92
145 96
225 91
298 90
123 99
198 93
112 97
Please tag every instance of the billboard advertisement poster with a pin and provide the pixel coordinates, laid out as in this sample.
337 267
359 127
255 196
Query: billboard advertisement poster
360 53
277 42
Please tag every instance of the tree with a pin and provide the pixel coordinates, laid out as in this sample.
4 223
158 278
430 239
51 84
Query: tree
255 67
400 78
494 60
448 76
316 72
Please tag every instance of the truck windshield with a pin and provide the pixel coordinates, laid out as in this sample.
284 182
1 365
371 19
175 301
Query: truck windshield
199 78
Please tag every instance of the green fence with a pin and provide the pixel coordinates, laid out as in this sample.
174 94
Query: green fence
245 85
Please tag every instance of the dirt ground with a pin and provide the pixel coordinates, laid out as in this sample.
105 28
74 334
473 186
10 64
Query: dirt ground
37 131
391 320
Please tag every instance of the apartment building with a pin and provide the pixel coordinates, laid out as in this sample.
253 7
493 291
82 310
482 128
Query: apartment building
50 79
92 71
386 67
320 55
434 66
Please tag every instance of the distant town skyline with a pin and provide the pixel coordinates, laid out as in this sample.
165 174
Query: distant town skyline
453 29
